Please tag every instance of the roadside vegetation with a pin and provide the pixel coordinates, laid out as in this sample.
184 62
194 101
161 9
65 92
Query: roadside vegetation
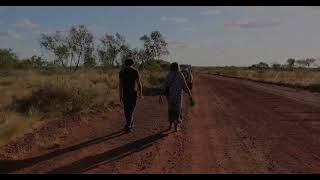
79 76
302 73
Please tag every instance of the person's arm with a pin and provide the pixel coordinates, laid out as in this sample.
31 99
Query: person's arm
139 86
185 86
120 88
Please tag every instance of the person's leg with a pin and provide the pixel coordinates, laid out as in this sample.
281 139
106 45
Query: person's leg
170 115
177 116
131 108
126 107
175 127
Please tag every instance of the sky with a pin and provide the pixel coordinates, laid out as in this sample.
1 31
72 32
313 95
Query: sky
202 36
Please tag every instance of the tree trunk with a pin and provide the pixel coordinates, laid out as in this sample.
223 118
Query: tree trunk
78 62
63 65
71 61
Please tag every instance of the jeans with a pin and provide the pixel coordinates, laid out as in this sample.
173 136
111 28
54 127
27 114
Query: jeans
129 104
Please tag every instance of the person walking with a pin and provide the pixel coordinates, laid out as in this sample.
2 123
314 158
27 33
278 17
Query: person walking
188 77
128 78
173 88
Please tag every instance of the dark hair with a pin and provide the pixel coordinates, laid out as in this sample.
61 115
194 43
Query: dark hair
128 62
174 67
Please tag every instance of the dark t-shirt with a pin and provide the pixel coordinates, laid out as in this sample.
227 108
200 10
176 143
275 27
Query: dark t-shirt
129 77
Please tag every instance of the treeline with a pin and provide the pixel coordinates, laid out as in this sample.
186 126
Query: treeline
76 48
9 60
289 64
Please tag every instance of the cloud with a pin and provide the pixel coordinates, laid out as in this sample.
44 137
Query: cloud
178 44
190 29
25 23
211 12
251 24
62 30
9 33
37 32
51 30
174 19
36 52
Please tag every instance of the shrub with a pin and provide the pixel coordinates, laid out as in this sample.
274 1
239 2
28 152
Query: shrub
157 65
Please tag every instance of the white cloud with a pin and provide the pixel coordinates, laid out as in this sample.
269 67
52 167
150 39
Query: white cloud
62 30
251 24
9 33
51 30
25 23
190 29
174 19
178 44
36 52
211 12
37 32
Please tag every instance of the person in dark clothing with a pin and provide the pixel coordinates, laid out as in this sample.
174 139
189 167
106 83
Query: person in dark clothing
128 78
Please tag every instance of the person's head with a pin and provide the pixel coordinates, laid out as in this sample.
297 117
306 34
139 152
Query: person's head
174 67
128 62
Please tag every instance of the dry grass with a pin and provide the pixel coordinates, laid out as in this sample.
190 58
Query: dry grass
30 98
14 125
302 77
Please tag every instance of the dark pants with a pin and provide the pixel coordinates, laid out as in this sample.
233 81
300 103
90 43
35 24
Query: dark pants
129 104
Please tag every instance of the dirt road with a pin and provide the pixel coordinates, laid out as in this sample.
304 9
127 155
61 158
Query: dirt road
237 126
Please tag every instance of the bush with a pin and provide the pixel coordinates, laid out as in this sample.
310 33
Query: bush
52 99
157 65
8 59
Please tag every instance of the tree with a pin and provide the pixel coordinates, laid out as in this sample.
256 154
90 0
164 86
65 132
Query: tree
70 49
90 62
33 62
8 59
260 65
310 61
291 62
276 65
58 45
111 48
155 45
81 45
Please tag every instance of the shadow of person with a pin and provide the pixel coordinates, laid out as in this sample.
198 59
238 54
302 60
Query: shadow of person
91 162
7 166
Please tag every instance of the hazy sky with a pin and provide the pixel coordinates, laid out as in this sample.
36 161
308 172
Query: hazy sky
198 35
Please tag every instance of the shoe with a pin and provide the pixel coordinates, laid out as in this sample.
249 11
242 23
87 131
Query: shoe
127 129
176 129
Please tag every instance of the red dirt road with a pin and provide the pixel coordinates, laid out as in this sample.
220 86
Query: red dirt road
237 126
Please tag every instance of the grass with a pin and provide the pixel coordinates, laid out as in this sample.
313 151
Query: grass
297 77
30 98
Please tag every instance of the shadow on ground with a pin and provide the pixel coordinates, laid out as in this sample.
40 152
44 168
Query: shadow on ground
91 162
7 166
